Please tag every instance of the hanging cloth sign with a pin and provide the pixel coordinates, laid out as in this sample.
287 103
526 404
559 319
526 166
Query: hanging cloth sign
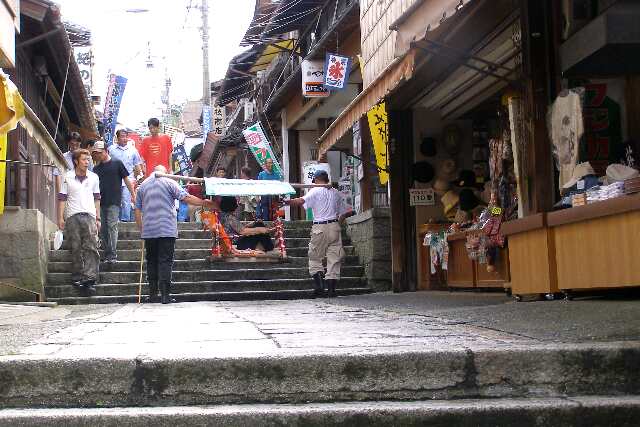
218 121
260 147
182 160
115 91
378 125
313 79
206 122
336 72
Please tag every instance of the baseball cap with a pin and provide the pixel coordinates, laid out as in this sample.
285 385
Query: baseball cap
98 146
320 173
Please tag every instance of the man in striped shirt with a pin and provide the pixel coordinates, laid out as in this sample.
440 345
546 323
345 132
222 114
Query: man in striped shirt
156 219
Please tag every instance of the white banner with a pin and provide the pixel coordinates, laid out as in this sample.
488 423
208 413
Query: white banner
218 121
84 59
313 79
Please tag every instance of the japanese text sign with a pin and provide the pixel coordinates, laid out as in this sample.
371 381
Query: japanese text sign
336 72
260 147
378 125
313 80
115 91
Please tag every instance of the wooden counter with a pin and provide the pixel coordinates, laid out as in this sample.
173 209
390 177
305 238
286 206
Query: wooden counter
597 245
465 273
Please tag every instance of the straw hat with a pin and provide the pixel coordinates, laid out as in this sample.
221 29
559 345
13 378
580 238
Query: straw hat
581 170
618 172
446 173
450 200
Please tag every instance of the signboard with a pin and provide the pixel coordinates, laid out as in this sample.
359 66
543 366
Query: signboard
421 197
378 125
313 79
206 122
84 59
218 121
112 106
344 187
336 72
260 147
181 160
357 203
357 151
310 168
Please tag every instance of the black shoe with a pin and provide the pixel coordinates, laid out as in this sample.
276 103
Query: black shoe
318 285
331 287
87 287
165 295
149 299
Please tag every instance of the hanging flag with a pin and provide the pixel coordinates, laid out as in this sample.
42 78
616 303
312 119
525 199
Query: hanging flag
260 147
336 72
112 106
378 125
313 79
206 122
181 160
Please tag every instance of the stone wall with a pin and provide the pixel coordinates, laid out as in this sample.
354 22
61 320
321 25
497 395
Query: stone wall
24 248
370 232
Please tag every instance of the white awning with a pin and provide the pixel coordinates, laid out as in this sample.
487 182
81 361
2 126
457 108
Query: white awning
243 187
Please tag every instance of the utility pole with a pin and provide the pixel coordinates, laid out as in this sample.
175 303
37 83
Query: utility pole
206 89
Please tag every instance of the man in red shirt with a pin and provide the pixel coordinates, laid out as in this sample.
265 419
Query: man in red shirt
157 148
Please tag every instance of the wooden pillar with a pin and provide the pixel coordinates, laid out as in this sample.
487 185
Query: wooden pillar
539 64
403 248
295 174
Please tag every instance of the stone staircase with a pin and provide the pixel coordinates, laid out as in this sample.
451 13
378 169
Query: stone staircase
196 278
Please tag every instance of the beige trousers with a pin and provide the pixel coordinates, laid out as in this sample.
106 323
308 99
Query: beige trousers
326 241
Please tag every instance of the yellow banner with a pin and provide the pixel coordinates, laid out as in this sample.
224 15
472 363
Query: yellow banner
3 169
378 125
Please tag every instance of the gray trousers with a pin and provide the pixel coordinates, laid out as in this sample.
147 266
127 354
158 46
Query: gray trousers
110 215
326 241
81 232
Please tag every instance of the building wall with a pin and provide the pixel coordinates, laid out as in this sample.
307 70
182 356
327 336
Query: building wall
370 234
378 41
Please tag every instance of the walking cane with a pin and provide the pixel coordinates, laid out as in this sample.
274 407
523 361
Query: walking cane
140 281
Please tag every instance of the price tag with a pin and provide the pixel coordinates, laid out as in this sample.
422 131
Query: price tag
421 197
496 211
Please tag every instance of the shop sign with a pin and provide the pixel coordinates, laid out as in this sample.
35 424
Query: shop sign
336 72
313 79
84 59
421 197
260 147
344 187
218 121
310 168
378 125
181 160
357 151
206 122
357 203
115 91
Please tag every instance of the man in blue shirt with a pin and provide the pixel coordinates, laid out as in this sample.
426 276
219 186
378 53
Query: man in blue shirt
131 159
264 207
156 219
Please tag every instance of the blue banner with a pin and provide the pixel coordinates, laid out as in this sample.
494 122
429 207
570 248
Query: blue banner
112 106
182 160
206 122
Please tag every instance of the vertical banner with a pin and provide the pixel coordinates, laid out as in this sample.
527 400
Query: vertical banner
182 160
3 169
336 72
378 124
313 79
218 121
260 147
308 170
112 106
84 59
206 122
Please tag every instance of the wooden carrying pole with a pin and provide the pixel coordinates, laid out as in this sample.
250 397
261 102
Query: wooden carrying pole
140 281
201 180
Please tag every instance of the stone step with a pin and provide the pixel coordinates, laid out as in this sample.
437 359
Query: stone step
295 242
63 255
206 234
213 286
288 225
247 295
198 264
594 411
330 375
275 272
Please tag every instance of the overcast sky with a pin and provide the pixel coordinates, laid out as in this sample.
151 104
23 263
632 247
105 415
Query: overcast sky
172 31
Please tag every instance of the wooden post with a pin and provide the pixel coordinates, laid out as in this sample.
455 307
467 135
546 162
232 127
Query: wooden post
403 248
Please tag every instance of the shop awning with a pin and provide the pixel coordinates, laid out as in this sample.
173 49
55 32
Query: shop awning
399 70
270 51
14 110
608 45
422 18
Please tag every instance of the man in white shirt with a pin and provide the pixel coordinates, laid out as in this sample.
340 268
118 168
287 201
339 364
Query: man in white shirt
80 221
329 212
131 159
